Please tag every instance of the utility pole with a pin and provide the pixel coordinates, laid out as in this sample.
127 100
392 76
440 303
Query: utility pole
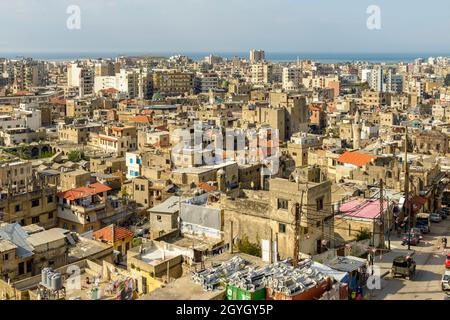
407 202
298 217
381 214
389 225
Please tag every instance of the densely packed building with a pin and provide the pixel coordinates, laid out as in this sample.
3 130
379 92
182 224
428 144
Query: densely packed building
146 162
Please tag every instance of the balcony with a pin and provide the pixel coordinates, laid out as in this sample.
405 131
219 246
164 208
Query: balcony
88 208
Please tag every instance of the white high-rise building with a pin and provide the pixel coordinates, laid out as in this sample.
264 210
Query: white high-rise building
376 79
291 77
73 75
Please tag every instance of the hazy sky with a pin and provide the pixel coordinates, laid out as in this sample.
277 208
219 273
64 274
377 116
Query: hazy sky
225 26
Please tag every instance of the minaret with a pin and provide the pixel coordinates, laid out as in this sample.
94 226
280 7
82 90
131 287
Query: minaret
357 131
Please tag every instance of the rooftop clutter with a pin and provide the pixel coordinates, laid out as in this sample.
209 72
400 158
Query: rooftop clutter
278 277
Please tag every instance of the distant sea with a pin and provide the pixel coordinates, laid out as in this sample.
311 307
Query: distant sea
272 56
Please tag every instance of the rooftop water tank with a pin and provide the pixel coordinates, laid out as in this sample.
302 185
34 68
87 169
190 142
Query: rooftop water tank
56 281
44 273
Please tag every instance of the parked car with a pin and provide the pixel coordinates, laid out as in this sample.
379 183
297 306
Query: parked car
435 217
418 232
412 238
445 282
443 214
404 266
447 261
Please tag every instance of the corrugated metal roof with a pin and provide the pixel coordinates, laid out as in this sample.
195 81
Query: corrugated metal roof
15 234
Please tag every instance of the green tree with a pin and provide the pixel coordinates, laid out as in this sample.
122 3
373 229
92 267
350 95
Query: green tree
245 246
363 234
76 155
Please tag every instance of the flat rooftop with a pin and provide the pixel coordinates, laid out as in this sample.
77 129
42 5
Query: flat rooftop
154 255
85 248
184 289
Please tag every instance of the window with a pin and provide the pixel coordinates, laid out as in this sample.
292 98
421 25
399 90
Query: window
50 199
136 187
35 203
282 204
18 208
142 187
50 215
281 228
35 219
158 218
5 256
319 204
21 268
29 266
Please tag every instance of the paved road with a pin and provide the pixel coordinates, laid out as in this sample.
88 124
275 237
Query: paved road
425 285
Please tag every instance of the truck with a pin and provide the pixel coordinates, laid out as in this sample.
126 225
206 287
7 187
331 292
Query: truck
423 222
404 266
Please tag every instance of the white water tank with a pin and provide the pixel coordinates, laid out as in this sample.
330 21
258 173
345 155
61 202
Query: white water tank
44 273
56 281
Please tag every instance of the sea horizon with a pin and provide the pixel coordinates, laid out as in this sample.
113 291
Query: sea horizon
271 56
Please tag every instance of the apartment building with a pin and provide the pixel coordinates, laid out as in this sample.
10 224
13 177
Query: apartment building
206 81
24 253
77 108
81 209
35 206
172 82
257 56
77 132
261 73
15 174
269 214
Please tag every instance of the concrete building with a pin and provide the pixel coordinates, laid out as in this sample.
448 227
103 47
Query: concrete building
206 81
269 215
257 56
172 82
261 73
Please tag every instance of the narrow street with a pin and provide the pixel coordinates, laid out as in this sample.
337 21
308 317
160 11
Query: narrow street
429 256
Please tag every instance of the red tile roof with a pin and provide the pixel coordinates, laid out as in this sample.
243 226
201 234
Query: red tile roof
140 119
83 192
109 90
106 233
356 158
108 138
